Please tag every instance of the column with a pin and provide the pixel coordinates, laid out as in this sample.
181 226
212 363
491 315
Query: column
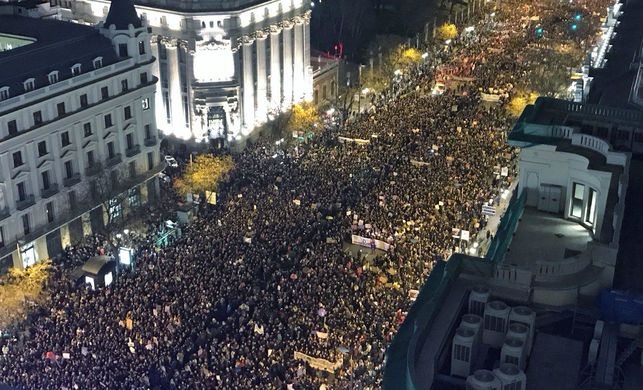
262 82
308 74
287 64
248 86
174 83
298 78
275 67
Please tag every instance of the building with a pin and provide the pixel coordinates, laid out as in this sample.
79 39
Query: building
325 80
224 66
78 138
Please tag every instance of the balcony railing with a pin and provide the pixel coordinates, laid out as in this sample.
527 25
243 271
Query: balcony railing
27 202
93 169
133 151
151 141
49 192
4 213
114 160
71 181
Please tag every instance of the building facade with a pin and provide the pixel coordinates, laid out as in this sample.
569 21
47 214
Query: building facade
78 136
224 66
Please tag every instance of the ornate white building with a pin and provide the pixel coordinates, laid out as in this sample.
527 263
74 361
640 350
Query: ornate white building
224 66
78 136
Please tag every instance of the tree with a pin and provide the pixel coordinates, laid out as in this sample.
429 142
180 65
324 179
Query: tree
109 189
518 103
447 31
304 117
18 288
203 174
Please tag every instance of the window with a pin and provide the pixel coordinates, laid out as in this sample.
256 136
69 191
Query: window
148 131
60 107
141 47
25 224
90 158
45 180
211 24
219 23
130 141
69 169
150 161
42 148
110 150
186 111
49 210
29 85
75 70
17 159
22 192
12 126
98 62
124 85
64 139
37 118
53 77
127 112
145 103
87 129
166 101
578 195
108 121
132 169
134 197
83 101
590 215
115 208
4 93
144 78
163 20
122 50
104 93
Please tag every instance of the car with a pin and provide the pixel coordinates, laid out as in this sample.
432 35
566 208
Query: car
164 177
171 162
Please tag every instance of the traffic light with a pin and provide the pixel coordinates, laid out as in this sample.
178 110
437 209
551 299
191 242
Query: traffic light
539 31
574 27
578 17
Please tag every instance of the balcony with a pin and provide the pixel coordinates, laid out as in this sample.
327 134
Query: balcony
71 181
4 213
115 160
93 169
49 192
151 141
133 151
27 202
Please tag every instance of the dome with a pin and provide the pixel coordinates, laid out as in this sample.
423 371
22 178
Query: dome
121 14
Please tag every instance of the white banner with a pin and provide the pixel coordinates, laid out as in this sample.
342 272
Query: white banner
368 242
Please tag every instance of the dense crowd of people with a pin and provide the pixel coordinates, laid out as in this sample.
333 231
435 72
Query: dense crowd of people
260 293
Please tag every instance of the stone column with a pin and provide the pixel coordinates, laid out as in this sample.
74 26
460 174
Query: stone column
308 74
262 76
275 67
299 68
287 64
176 100
159 108
248 86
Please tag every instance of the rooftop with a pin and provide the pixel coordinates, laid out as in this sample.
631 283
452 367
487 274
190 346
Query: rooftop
545 237
560 357
201 5
56 46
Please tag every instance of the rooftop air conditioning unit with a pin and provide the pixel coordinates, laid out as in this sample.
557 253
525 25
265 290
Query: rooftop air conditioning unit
513 351
478 298
527 317
462 352
496 319
483 380
473 322
511 377
518 331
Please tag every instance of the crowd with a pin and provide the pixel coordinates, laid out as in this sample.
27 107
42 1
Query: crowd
260 288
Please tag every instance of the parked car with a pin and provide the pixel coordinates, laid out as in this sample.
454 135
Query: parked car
164 177
171 162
